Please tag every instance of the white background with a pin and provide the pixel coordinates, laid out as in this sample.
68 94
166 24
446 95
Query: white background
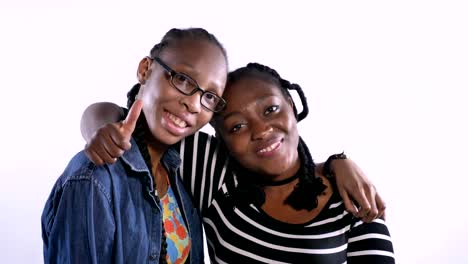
386 82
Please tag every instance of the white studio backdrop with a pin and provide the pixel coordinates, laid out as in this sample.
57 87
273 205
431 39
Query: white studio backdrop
386 82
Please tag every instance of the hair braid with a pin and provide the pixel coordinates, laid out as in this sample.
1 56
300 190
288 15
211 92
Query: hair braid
254 69
177 34
309 185
139 133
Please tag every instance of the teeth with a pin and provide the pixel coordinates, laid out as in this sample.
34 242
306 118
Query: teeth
179 122
270 148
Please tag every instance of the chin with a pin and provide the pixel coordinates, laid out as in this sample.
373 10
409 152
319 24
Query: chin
165 138
267 170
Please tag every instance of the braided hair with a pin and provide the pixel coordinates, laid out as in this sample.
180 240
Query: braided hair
176 34
141 129
309 186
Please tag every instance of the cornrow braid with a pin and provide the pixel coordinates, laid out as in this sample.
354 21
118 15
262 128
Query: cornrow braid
138 135
171 37
249 190
177 34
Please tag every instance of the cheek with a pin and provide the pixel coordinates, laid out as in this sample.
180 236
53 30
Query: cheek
237 146
292 130
150 94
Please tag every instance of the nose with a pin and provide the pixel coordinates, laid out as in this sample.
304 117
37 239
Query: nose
260 130
192 102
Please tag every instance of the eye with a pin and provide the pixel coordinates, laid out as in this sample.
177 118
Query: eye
180 78
210 97
271 109
183 83
236 128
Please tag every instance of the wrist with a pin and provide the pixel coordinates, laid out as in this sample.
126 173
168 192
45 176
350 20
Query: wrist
328 170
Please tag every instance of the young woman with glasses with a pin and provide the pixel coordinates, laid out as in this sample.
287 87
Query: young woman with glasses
137 207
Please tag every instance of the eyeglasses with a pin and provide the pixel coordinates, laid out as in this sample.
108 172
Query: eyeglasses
188 86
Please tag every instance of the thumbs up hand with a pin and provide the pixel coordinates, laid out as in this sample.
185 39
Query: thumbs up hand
111 140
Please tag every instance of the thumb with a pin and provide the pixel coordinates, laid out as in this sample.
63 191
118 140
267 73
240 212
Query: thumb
130 121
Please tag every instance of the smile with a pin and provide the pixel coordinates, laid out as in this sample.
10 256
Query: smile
269 150
177 121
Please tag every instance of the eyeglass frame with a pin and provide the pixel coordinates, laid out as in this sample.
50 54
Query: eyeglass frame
197 88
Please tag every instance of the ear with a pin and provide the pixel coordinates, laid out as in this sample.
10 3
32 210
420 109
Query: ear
144 70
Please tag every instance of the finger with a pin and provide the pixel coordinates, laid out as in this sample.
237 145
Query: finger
104 155
113 149
373 212
361 199
383 216
349 205
380 206
120 140
93 157
130 121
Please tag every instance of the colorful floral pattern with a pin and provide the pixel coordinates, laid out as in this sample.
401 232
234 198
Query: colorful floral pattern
177 238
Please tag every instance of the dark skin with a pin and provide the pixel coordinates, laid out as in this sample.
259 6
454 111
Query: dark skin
260 131
107 140
170 114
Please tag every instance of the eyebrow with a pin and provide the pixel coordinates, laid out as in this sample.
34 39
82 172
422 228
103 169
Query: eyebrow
230 115
212 86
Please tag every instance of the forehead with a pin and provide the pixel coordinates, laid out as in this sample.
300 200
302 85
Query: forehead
250 89
194 52
202 60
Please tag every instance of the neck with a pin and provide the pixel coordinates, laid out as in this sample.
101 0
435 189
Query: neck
281 182
156 152
288 175
156 149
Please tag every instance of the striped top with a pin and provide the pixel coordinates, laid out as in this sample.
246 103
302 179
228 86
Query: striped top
248 235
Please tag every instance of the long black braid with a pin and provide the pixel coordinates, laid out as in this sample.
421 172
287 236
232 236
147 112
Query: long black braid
171 37
309 187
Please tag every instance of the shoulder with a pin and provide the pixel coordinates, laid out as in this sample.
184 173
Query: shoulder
82 188
198 137
81 173
199 140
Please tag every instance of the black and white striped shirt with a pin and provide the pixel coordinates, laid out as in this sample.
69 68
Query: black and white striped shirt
248 235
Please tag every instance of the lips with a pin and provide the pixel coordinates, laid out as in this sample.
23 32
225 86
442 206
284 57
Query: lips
269 147
179 122
175 124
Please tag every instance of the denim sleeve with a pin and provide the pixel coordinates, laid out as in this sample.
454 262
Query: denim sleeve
78 224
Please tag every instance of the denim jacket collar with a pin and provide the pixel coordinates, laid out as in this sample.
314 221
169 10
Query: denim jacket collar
135 161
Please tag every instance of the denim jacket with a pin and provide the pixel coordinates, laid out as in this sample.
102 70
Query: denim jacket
109 214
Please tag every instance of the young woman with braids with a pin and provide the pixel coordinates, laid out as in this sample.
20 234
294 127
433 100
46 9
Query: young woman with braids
137 210
203 166
279 208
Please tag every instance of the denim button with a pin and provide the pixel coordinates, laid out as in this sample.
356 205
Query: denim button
153 257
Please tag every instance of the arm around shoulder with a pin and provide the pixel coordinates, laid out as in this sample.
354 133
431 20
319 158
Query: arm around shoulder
98 114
